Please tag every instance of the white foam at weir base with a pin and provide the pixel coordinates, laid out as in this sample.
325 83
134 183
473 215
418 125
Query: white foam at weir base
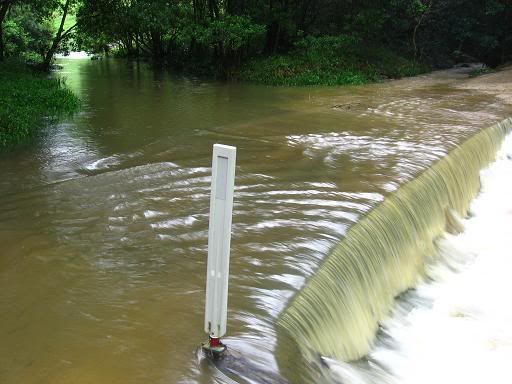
460 327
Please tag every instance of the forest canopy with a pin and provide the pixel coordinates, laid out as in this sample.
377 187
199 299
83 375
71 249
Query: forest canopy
221 35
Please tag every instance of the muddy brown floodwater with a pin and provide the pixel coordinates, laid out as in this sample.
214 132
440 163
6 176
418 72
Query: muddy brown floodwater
103 219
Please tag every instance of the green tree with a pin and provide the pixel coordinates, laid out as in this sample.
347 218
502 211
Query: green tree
25 35
228 32
61 8
4 9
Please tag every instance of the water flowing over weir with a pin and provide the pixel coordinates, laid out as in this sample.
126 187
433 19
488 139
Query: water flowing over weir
338 311
104 222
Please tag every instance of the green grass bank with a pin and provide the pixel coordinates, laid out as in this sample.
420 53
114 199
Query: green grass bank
331 60
26 99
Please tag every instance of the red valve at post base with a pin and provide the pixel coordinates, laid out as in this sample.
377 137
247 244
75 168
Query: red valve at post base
214 347
215 342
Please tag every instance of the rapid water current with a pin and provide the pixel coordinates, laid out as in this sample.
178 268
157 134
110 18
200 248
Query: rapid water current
104 223
456 324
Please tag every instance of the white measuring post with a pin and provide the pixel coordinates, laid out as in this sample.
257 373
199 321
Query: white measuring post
219 241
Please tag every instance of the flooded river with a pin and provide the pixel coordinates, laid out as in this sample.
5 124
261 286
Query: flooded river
104 218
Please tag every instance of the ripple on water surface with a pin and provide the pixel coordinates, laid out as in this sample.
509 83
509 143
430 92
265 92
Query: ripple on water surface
103 221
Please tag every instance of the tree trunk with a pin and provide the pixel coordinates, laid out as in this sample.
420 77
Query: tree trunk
4 7
157 46
58 38
214 9
415 32
276 41
1 42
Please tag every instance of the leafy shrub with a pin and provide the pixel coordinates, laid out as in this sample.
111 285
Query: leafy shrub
26 36
26 98
330 60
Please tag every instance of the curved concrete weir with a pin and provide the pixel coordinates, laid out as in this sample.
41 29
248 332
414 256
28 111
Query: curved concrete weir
338 311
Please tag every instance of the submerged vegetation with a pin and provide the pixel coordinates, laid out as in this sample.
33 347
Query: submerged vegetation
275 42
32 32
330 60
285 42
26 98
301 42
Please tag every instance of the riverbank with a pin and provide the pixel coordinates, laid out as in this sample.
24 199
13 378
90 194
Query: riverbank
26 99
311 61
331 60
496 83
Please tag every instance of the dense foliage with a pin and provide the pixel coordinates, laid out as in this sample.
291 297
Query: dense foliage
35 29
330 60
25 99
280 42
220 36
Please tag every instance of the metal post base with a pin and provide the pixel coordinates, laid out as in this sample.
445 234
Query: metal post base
214 347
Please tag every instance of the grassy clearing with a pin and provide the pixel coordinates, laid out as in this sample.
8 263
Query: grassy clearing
26 98
330 60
